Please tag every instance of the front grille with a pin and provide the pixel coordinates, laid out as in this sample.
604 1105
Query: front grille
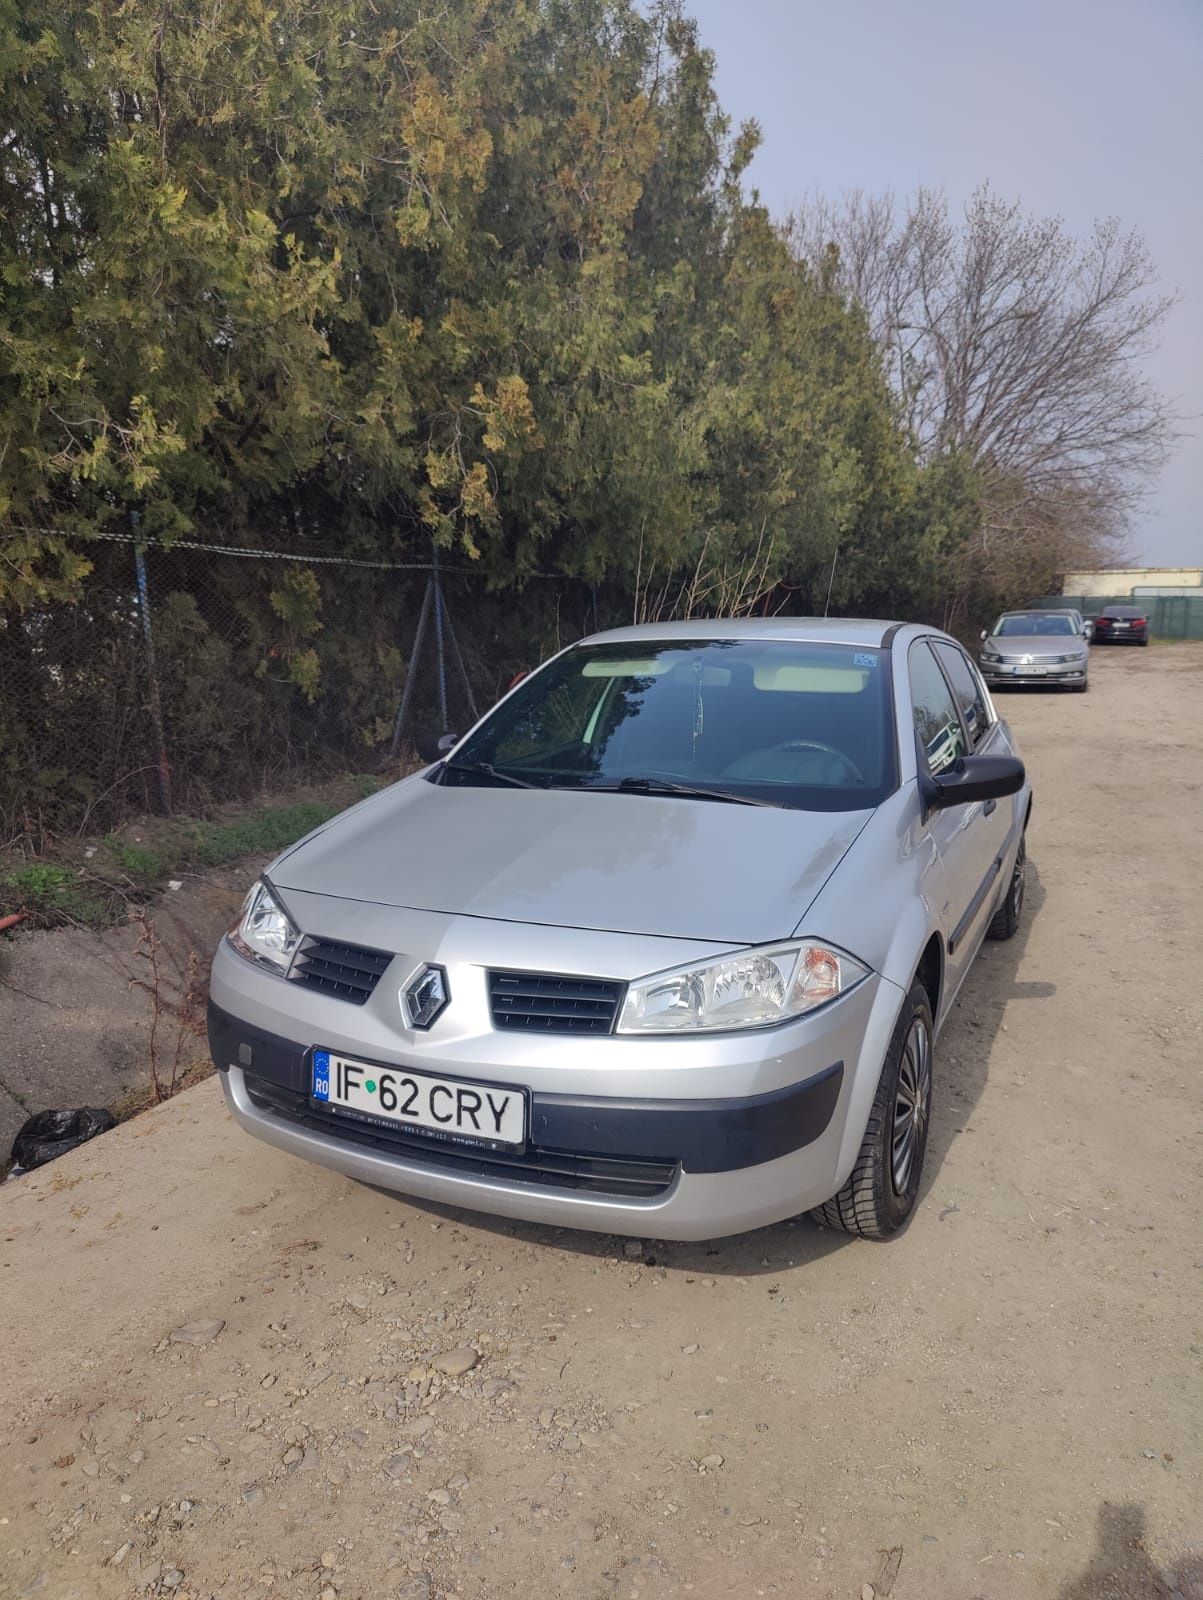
345 970
614 1175
542 1002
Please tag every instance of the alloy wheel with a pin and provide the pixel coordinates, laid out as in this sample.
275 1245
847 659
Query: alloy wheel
912 1104
1018 880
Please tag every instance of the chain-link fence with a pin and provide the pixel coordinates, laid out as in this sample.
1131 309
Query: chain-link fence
178 678
185 676
1170 616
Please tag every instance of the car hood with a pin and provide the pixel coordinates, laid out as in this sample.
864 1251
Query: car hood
1037 644
647 864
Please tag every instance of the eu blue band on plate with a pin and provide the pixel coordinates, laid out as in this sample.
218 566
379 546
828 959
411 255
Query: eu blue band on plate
321 1075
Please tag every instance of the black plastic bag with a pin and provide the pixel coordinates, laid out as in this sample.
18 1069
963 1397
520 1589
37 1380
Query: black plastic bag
52 1133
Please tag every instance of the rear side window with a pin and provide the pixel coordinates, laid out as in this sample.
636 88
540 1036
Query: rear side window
937 723
968 691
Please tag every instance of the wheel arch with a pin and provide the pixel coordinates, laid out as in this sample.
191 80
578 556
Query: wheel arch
930 973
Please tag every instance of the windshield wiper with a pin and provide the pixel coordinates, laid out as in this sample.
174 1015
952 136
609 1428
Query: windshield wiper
490 771
684 791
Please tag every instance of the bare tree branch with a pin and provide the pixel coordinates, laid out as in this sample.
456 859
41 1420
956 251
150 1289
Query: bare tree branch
1010 341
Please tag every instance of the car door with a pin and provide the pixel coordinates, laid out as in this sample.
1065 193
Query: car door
991 819
971 839
985 737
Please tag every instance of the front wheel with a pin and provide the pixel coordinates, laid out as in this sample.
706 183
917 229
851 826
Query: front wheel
1005 921
881 1192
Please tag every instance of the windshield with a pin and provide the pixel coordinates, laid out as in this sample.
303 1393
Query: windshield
1032 623
801 725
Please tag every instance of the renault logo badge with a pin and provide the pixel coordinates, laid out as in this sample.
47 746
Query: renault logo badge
425 996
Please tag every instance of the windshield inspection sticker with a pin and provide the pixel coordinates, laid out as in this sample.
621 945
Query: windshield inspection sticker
860 659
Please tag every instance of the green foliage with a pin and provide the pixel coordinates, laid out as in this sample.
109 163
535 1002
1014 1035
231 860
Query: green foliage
365 784
348 279
145 866
366 275
261 833
39 880
45 893
50 892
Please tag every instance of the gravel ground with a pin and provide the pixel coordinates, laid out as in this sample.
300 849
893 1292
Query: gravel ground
227 1374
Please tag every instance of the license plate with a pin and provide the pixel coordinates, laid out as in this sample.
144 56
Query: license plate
448 1108
1030 671
1118 625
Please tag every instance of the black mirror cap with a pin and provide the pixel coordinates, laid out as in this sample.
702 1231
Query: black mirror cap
433 746
974 778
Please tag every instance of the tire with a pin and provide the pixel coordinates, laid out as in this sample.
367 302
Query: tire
1006 919
1142 643
1081 688
881 1191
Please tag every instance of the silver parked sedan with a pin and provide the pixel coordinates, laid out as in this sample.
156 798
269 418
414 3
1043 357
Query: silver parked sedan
660 947
1028 648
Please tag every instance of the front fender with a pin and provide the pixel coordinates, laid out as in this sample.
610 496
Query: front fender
883 904
888 896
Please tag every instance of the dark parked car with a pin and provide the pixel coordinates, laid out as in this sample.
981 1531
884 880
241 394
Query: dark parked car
1121 625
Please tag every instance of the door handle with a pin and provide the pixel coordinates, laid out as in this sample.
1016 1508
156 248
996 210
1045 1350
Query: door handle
989 807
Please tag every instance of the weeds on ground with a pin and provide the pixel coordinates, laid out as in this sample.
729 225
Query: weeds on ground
263 833
140 1097
47 892
119 872
141 864
170 1024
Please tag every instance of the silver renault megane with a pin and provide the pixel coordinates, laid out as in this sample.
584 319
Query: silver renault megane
660 947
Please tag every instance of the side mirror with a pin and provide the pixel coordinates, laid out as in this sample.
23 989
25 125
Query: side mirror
985 635
973 778
434 746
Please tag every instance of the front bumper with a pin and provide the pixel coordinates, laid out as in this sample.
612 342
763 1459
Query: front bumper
1002 676
679 1139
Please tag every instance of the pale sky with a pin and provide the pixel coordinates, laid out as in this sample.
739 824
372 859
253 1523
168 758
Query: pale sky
1077 108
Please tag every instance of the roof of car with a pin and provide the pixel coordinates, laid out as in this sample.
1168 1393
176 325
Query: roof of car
824 630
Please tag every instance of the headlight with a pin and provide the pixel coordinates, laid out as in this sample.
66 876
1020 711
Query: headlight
753 989
988 655
264 931
1079 658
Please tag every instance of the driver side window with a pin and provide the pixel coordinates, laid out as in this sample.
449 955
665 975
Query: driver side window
967 689
937 722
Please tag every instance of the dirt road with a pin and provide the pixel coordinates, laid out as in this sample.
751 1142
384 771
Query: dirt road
375 1401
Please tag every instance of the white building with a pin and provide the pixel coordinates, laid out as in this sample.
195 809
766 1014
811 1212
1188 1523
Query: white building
1114 581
